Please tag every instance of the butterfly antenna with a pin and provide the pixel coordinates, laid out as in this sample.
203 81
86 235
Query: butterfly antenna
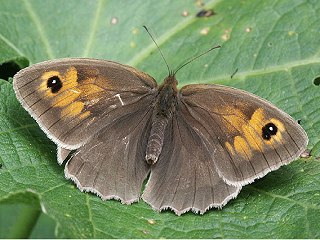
195 57
169 71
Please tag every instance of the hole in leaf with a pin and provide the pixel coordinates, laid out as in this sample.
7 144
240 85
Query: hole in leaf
205 13
8 70
316 81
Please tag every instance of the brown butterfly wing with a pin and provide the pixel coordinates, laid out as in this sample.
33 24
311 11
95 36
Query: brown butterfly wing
184 177
72 99
247 136
112 164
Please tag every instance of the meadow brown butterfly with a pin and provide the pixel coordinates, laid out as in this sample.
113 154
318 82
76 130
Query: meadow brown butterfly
114 125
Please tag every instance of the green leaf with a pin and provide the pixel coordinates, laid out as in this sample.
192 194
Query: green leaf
270 48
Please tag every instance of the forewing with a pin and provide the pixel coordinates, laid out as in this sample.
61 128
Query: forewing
184 177
93 93
112 164
233 125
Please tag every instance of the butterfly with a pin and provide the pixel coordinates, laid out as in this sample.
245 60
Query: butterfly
115 126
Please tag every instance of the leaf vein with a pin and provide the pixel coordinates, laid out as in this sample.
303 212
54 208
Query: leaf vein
39 27
93 29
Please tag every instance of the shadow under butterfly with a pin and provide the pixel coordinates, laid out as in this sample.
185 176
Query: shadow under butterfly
200 144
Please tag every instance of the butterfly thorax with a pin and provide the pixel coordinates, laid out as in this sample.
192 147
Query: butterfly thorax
163 111
167 97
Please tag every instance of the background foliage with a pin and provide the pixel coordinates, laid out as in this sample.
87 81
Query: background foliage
271 46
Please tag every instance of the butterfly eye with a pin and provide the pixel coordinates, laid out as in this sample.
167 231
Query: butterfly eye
269 130
54 83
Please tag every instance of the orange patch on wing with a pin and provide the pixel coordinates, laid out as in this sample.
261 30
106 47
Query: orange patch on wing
257 119
70 91
70 80
90 89
72 75
252 131
241 146
250 137
72 110
234 118
66 97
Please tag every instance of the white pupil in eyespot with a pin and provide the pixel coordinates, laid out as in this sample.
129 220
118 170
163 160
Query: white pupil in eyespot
54 81
271 128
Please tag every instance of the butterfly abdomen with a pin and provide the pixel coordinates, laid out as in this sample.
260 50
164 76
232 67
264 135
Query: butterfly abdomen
164 108
155 141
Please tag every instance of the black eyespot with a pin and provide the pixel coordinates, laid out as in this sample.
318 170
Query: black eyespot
269 130
54 83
